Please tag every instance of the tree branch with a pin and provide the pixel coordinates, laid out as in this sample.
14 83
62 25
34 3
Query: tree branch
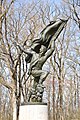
4 83
6 11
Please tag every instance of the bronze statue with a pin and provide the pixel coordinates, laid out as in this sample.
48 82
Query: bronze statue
41 49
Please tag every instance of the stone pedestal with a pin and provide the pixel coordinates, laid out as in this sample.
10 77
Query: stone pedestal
33 111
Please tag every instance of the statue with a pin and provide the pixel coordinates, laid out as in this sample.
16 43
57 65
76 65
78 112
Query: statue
37 72
40 50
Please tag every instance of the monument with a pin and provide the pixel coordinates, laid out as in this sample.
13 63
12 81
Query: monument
40 50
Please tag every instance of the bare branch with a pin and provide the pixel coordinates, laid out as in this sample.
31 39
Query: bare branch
6 84
6 11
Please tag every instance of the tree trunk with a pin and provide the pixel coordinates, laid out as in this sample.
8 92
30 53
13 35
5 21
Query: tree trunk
49 102
14 106
53 99
0 20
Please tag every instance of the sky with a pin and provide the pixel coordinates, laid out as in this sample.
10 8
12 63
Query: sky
26 1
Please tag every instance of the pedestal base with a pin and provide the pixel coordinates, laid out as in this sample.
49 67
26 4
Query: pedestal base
33 111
